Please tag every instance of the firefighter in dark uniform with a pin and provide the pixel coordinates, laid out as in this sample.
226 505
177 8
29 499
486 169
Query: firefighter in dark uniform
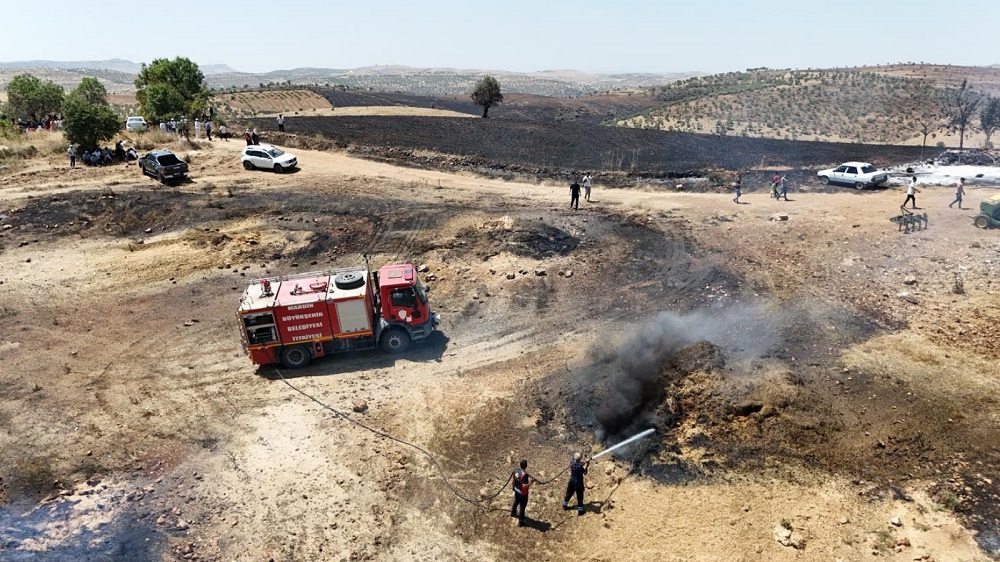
522 482
577 469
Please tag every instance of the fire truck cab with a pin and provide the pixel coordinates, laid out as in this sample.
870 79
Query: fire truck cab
295 319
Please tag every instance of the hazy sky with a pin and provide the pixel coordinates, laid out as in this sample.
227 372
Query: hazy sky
519 35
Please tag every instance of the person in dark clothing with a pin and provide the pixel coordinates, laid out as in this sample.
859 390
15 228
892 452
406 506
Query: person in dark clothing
248 137
574 195
255 137
119 151
577 469
522 482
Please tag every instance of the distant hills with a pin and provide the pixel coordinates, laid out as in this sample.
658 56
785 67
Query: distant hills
121 65
118 76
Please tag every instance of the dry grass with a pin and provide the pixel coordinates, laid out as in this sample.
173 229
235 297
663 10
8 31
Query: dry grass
29 145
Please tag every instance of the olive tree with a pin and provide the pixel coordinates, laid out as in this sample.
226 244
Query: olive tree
487 93
168 88
30 98
989 118
959 107
88 120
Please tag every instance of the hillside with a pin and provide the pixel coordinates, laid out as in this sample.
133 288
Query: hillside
870 105
118 76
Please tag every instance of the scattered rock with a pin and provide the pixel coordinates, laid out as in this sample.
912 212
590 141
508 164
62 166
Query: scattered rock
779 217
182 524
569 273
540 273
360 406
511 275
896 521
910 280
422 268
908 297
783 536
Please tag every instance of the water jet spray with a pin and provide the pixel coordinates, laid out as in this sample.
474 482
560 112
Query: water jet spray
625 442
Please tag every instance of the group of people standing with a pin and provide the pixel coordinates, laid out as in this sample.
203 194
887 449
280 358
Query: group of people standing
522 482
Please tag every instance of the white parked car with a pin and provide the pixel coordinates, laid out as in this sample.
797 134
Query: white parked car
133 124
858 174
267 157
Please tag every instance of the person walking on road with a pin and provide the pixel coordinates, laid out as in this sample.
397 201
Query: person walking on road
911 192
281 123
577 469
522 483
574 195
586 188
223 133
774 185
71 152
783 188
739 188
959 192
208 130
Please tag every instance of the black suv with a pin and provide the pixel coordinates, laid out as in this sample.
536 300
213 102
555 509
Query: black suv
164 166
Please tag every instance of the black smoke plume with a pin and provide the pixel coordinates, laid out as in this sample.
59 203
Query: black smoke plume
638 362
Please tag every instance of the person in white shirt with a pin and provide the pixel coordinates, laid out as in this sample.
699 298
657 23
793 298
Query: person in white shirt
959 192
281 123
586 187
911 192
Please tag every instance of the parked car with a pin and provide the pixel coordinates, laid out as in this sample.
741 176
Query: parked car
163 165
267 157
858 174
135 124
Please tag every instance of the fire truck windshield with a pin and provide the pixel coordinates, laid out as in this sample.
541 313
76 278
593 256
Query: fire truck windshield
421 291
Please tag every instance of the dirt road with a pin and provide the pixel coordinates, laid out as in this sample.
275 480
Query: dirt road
844 407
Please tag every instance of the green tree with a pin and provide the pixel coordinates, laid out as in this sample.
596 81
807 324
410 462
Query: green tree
960 105
168 88
487 93
30 98
88 120
989 118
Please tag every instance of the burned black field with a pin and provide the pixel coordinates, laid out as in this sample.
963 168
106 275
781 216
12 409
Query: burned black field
551 148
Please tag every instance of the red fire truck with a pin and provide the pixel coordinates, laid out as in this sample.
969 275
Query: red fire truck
295 319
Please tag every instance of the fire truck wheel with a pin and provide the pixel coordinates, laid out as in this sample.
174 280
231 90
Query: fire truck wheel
295 356
349 280
395 340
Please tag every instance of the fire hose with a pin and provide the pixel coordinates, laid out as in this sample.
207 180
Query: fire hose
437 466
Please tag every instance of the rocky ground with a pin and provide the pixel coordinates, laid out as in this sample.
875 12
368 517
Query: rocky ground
822 385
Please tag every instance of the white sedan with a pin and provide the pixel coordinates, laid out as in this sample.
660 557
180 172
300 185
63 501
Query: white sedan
267 157
858 174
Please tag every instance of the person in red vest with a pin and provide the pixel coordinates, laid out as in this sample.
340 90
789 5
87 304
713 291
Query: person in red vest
522 482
